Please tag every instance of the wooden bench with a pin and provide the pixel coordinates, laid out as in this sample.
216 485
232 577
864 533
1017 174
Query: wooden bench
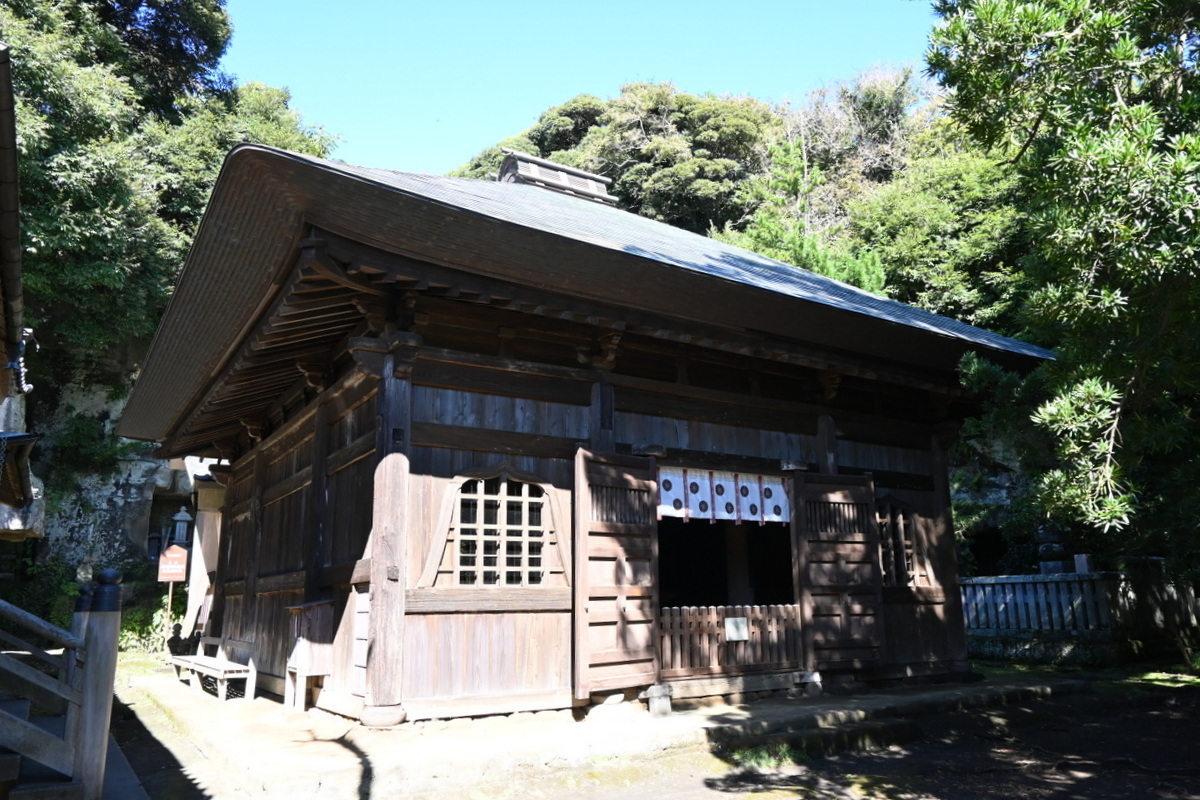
222 666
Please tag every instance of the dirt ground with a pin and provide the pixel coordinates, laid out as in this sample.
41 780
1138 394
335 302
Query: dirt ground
1128 740
1122 740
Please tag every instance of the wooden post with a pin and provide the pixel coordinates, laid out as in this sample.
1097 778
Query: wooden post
389 543
941 542
101 629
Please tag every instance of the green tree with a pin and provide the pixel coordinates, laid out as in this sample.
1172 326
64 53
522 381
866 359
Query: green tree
848 143
166 49
1096 104
682 158
950 235
672 156
779 227
114 178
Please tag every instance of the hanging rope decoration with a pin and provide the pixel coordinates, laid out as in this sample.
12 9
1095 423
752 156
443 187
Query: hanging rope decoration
714 495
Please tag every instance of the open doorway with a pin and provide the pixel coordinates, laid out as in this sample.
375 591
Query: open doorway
723 563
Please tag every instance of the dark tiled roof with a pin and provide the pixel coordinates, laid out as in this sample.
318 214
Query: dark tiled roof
265 200
614 229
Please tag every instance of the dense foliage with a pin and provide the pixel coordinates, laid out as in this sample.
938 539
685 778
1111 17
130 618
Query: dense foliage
1097 106
123 122
1051 193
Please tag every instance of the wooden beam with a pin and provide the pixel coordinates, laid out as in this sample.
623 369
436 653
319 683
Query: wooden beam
280 583
453 437
498 379
488 600
348 574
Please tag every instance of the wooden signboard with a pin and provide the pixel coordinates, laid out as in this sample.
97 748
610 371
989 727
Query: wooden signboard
172 564
172 567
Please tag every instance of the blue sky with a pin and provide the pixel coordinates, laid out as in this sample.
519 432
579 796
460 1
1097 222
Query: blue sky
423 86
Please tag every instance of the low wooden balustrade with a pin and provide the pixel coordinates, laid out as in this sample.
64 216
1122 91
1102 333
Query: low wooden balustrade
77 681
1072 602
693 640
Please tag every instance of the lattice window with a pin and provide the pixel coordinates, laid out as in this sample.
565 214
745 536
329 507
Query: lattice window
847 519
904 559
502 535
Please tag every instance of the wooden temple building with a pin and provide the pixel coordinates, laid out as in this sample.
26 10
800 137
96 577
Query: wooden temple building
501 446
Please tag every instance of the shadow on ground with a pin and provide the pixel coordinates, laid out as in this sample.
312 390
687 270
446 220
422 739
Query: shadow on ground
1115 742
161 774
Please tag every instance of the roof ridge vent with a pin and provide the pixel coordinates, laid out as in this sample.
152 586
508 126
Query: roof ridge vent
519 167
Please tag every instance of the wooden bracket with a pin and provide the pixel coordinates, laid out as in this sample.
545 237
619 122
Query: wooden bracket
374 312
368 352
254 429
601 354
830 381
315 375
313 256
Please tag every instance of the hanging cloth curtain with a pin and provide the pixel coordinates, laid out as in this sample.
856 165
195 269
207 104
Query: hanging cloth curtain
714 494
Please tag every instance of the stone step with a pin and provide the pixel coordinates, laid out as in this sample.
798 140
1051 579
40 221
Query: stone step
851 737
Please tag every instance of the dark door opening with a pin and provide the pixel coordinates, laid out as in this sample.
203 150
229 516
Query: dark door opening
702 563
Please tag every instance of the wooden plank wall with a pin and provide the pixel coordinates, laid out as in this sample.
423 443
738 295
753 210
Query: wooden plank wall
451 657
471 412
712 437
278 534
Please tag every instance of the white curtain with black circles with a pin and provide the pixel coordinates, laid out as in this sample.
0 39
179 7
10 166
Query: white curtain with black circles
718 495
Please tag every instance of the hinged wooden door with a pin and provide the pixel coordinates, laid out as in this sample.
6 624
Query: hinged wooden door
616 569
838 572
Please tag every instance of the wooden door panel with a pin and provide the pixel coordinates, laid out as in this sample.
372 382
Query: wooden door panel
616 563
838 573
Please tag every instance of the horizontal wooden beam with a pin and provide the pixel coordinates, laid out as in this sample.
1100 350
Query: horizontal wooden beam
495 378
346 574
280 583
343 457
492 599
453 437
287 486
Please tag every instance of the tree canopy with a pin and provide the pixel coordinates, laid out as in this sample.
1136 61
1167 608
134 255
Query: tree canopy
1096 104
123 122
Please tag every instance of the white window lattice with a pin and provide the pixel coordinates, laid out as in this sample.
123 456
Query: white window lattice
501 534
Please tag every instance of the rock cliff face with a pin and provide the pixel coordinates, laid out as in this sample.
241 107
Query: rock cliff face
116 515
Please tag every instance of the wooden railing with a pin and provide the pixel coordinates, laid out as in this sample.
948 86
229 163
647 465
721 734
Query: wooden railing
693 640
78 682
1078 602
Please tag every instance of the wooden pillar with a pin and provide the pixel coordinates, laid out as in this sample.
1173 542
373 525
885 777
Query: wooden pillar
206 548
250 583
601 436
940 539
317 540
101 628
827 450
389 540
800 569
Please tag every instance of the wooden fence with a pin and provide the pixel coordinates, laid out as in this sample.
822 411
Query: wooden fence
693 641
1073 602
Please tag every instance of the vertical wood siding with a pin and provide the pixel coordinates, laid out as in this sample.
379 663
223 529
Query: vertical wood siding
469 655
692 640
498 412
711 437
